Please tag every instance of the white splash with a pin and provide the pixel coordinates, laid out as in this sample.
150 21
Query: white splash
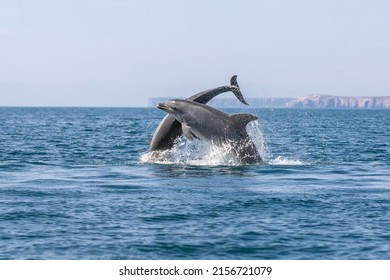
206 154
202 153
256 134
193 153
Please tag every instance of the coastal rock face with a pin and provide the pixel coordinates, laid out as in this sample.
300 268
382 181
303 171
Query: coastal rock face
327 101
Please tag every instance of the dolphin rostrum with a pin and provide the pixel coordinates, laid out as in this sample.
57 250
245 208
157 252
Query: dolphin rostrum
169 128
209 124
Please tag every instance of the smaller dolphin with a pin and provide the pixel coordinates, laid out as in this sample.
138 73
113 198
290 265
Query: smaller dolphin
169 129
209 124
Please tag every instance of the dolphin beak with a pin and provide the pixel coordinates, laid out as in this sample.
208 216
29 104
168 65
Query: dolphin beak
164 107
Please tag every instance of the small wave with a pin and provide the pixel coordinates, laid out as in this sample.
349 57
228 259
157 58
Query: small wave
280 160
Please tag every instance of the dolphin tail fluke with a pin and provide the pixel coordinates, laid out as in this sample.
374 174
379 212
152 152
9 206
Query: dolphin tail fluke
235 88
233 81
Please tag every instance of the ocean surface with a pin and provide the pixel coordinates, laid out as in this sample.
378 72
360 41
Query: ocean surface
79 183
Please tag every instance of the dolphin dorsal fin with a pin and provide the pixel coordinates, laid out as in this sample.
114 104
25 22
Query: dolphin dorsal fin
243 119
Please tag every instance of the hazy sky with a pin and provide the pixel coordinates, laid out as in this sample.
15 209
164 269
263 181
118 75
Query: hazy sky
121 52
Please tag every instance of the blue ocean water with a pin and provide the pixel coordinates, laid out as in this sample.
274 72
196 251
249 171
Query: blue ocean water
79 183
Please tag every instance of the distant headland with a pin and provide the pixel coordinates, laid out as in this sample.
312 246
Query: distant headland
311 101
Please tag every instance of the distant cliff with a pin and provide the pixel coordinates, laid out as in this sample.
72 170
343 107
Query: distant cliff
253 102
327 101
312 101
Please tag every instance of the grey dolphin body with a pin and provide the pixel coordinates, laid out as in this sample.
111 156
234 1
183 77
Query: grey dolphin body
170 129
209 124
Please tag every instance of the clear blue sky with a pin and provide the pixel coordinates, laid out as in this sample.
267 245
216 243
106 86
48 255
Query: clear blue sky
121 52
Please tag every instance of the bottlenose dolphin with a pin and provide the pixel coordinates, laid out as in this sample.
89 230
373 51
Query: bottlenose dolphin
169 128
209 124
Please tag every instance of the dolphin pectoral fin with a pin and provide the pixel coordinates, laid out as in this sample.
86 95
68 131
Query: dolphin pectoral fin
235 88
187 132
243 119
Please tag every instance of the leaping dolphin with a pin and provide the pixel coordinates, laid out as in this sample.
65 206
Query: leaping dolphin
209 124
169 128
